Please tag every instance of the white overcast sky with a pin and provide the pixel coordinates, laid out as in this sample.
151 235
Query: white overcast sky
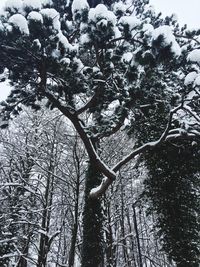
188 11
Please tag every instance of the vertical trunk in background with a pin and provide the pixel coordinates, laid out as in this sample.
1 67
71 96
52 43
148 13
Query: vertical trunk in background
76 213
110 247
46 217
137 236
122 225
23 261
132 244
92 249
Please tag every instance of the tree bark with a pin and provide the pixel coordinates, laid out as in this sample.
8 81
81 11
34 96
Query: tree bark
92 249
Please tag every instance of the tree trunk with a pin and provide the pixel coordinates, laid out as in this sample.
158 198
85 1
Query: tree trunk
110 247
23 261
131 238
92 249
137 236
46 216
75 227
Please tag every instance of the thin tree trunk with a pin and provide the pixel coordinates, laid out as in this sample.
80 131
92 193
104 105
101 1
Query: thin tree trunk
131 238
110 247
123 235
23 261
44 239
137 236
75 228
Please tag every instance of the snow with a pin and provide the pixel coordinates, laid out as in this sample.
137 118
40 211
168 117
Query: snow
111 108
65 61
101 14
9 255
117 32
79 64
34 15
55 53
189 79
169 38
69 25
197 81
148 29
14 5
52 14
37 43
79 6
46 2
1 26
63 40
83 27
194 56
84 39
119 6
93 191
131 21
33 4
127 57
20 22
41 231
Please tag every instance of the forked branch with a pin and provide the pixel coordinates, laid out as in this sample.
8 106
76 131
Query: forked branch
106 182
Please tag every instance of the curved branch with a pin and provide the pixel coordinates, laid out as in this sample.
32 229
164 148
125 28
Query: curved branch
89 104
106 182
84 137
148 145
187 109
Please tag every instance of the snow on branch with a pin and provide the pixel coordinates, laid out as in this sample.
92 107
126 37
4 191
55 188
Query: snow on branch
148 145
98 191
105 170
193 114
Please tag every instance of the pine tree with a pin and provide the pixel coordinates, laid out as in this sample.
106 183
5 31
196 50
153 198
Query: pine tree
114 62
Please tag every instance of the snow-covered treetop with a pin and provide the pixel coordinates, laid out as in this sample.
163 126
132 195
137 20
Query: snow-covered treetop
118 53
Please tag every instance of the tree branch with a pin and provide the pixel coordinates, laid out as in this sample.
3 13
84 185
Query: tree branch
106 182
148 145
84 137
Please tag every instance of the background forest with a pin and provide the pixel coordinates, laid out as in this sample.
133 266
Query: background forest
99 142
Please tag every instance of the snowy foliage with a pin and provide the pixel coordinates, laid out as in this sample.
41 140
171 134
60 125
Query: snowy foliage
34 15
194 56
130 22
53 16
168 39
14 5
79 7
20 22
32 4
197 80
190 78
